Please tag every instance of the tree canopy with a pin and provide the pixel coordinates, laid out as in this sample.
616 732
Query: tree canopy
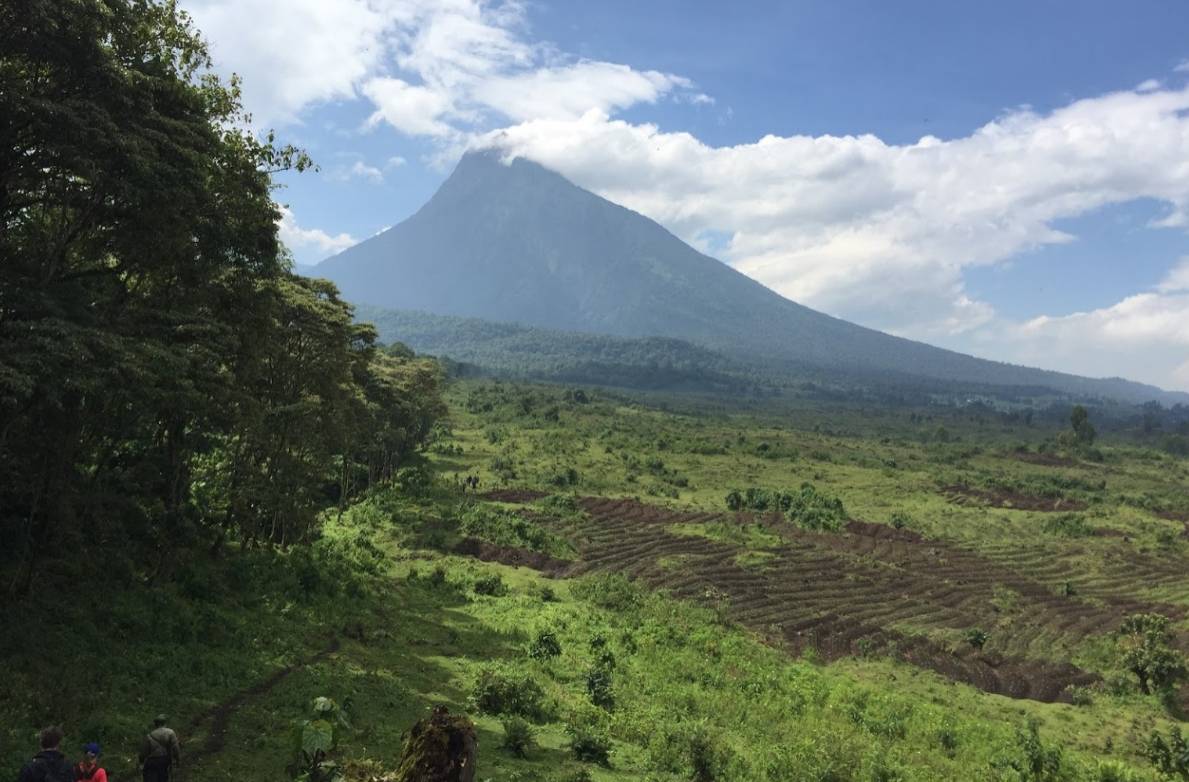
164 376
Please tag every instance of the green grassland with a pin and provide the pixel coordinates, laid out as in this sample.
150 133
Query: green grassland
381 616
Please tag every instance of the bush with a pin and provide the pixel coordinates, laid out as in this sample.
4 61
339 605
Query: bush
976 637
508 528
1171 757
1145 649
1031 759
901 520
545 646
519 737
589 746
611 591
1067 525
498 693
492 585
598 687
814 510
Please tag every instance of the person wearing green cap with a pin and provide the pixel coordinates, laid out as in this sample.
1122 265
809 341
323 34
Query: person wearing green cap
160 751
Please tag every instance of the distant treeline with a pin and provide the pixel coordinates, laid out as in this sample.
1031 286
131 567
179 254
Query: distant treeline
165 379
472 346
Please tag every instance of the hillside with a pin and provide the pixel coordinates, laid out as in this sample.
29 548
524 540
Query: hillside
520 243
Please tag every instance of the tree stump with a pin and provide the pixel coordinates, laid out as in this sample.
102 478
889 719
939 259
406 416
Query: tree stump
439 748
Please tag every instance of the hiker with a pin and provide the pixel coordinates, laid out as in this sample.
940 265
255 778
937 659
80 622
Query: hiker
50 764
88 768
159 752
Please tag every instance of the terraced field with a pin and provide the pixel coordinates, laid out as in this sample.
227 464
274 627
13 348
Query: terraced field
873 589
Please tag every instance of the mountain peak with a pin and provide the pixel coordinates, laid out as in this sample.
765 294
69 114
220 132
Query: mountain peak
512 241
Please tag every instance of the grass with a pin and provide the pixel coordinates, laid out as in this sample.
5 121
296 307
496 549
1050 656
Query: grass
693 693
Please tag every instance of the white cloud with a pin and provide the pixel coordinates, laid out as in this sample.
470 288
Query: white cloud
357 170
881 233
396 161
312 243
1143 337
1148 85
418 111
569 91
1177 279
292 53
433 68
1182 67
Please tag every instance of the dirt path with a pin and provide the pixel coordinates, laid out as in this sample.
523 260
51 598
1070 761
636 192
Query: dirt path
218 717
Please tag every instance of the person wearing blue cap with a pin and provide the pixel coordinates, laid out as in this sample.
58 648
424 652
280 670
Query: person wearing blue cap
89 768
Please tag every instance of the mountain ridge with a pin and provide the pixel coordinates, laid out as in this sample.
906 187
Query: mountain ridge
516 242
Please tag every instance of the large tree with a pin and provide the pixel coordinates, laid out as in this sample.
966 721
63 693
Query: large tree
149 322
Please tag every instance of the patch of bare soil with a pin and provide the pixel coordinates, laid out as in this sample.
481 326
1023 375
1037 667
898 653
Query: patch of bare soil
510 555
513 495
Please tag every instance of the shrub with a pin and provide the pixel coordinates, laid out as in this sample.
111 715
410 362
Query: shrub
589 746
1111 771
1145 649
1067 525
1171 757
508 528
611 591
814 510
519 737
437 577
545 646
598 687
976 637
900 520
497 693
492 585
1030 758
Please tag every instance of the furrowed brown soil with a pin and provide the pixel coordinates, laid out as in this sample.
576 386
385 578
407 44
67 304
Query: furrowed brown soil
513 495
875 589
510 555
1002 498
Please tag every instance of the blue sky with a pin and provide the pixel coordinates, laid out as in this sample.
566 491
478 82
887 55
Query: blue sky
1008 179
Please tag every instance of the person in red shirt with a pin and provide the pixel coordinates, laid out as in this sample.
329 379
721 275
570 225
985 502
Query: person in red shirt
88 768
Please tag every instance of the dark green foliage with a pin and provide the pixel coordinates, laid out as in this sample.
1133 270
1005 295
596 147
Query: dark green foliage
563 477
815 510
1083 431
806 506
165 380
499 692
492 585
1031 759
1170 756
508 528
589 745
1067 525
976 637
519 737
599 681
900 520
611 591
314 741
545 646
1145 649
